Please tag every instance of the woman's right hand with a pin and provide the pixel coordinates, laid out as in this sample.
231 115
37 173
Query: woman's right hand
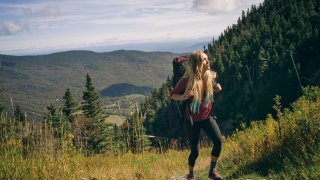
188 94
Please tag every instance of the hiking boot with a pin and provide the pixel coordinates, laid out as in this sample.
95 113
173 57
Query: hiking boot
191 177
213 174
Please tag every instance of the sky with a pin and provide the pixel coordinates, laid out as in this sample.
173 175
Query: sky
28 26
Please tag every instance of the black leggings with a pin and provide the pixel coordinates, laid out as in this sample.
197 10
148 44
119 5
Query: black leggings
212 130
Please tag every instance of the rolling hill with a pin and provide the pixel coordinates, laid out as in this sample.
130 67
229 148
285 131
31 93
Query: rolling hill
122 89
34 82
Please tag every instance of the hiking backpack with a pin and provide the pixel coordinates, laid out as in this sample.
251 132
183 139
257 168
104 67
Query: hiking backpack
179 67
175 113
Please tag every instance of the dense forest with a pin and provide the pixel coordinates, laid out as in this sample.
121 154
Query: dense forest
273 50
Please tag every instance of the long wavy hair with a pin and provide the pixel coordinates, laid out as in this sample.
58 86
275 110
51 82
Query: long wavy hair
198 81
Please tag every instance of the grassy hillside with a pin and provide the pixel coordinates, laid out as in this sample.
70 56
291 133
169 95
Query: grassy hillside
282 147
36 81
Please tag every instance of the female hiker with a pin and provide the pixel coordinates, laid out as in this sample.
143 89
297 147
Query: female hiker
197 86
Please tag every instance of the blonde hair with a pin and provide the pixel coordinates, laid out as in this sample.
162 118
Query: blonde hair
197 79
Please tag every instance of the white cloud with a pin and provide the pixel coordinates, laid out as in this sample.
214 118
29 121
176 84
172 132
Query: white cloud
13 27
48 11
27 11
214 6
221 7
41 9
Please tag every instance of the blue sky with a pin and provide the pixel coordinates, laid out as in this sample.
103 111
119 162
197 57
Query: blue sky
35 25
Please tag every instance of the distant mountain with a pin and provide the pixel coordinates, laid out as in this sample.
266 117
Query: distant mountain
174 46
177 46
34 82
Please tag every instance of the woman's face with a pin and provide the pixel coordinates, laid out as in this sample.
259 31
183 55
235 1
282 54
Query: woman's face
205 62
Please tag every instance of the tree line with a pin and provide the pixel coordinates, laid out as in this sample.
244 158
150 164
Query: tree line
273 49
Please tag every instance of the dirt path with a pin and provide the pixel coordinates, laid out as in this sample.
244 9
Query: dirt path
178 177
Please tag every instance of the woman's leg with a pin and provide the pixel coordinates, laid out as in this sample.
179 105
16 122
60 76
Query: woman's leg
193 132
212 129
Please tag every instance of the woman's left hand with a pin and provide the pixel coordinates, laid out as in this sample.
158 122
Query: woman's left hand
217 87
214 74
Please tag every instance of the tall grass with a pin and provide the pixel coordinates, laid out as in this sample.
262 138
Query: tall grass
30 151
287 146
283 147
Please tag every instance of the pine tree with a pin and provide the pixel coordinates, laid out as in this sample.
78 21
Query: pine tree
69 106
51 112
100 140
262 63
57 121
92 107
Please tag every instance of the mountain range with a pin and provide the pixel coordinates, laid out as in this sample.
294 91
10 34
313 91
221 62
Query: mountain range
174 46
34 82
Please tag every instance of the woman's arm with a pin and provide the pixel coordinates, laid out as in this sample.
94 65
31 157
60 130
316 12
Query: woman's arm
216 86
178 92
180 97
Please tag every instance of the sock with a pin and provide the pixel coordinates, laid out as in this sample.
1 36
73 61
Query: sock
213 165
191 173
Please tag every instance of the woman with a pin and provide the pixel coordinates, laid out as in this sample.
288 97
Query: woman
197 86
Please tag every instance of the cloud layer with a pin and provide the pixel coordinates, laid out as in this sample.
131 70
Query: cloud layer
40 24
47 11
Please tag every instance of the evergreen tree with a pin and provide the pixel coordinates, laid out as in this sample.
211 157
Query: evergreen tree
262 63
92 106
57 121
69 106
51 112
100 140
